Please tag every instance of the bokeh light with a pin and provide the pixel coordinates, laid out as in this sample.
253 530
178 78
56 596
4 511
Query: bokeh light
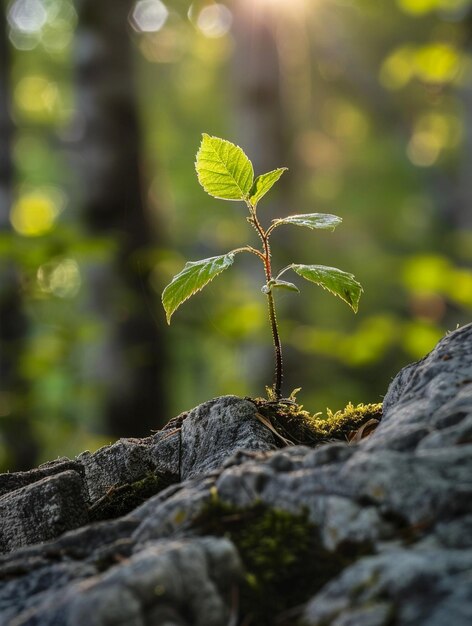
433 63
34 212
37 97
214 20
418 8
432 134
57 35
149 16
59 277
437 63
27 16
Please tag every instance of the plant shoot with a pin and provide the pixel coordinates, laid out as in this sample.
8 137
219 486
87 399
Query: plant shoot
225 172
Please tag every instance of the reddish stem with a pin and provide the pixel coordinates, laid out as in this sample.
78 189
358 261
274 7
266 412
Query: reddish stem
277 387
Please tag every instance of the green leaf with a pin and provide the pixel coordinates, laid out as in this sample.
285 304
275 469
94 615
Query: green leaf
263 183
279 284
194 276
336 281
223 170
310 220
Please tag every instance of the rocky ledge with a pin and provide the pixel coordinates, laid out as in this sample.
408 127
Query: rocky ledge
209 522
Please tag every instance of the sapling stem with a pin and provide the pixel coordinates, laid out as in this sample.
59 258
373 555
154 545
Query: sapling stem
277 348
266 258
249 249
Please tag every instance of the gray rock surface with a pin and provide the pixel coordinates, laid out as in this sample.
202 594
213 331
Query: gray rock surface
428 586
216 430
65 494
164 581
388 520
10 482
44 509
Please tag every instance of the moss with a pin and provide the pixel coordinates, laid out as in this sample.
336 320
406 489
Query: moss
284 561
338 425
121 500
294 423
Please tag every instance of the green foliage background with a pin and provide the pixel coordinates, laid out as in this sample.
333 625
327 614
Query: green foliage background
372 96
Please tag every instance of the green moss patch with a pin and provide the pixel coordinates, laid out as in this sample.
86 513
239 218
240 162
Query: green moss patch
284 561
340 424
292 422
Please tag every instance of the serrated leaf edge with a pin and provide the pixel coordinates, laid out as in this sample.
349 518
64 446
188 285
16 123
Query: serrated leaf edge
353 306
252 195
169 315
280 221
244 196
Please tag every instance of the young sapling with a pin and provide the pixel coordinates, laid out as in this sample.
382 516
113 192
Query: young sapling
225 172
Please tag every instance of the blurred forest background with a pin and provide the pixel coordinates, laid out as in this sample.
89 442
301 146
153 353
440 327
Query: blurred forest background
102 106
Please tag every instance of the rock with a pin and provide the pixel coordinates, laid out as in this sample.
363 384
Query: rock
16 480
216 430
118 477
365 534
124 462
411 587
42 510
187 580
434 380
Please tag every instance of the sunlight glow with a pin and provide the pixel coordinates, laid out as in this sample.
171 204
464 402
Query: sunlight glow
148 16
433 63
437 63
291 5
417 7
214 20
421 7
34 212
27 16
277 8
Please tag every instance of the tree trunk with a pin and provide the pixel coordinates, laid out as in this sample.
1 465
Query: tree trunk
259 112
21 449
131 362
